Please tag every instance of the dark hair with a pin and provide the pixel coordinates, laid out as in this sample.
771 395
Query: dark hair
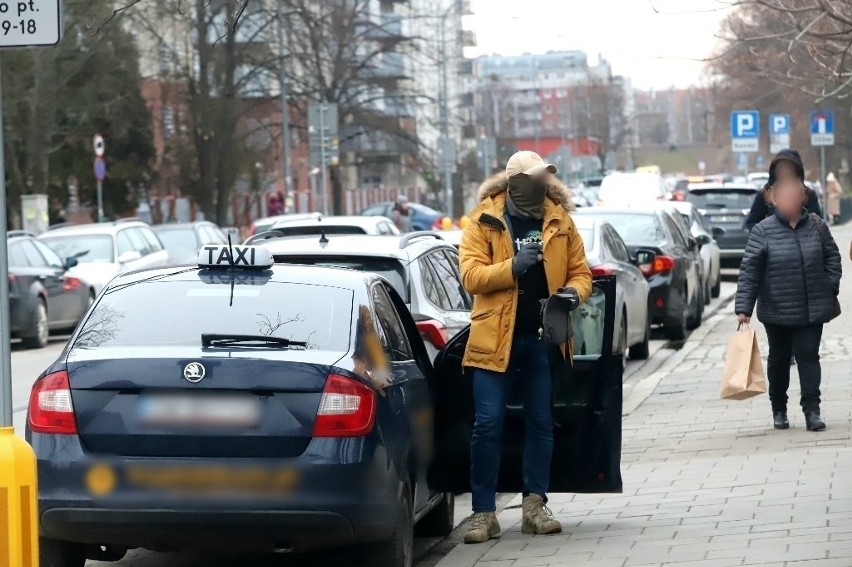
790 156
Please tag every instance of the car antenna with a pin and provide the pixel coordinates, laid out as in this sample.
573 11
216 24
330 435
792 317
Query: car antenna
323 241
231 259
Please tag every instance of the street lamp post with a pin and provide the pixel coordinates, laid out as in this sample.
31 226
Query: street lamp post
445 152
285 108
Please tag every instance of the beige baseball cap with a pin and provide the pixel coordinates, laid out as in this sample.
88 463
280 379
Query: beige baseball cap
529 163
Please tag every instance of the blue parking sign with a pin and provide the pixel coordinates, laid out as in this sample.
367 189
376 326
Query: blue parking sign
745 131
822 128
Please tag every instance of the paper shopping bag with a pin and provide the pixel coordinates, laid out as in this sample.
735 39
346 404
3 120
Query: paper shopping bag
744 377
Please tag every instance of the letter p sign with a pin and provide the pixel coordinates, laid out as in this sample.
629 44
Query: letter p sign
745 130
745 124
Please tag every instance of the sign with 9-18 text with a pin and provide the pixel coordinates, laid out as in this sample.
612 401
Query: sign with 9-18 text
29 23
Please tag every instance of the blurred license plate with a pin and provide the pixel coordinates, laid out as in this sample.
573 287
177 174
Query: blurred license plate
193 409
726 218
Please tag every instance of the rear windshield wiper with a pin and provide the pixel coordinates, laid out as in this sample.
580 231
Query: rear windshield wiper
216 340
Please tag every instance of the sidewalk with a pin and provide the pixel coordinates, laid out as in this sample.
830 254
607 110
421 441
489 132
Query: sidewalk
708 482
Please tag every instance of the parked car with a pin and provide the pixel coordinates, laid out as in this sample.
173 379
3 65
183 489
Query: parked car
265 223
632 190
294 408
705 235
105 250
372 226
422 217
673 274
694 247
726 206
184 240
608 256
43 297
421 267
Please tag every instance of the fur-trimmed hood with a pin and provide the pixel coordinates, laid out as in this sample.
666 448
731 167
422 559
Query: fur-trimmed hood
498 183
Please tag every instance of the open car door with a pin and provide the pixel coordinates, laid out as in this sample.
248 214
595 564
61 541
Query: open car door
586 410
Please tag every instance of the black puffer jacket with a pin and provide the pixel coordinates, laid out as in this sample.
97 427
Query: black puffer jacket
793 274
761 208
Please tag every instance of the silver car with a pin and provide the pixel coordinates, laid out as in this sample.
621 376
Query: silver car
421 266
705 235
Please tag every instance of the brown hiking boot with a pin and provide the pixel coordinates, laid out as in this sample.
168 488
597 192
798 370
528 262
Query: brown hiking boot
483 526
538 519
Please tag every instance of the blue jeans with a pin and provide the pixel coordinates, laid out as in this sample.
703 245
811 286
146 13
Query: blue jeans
529 365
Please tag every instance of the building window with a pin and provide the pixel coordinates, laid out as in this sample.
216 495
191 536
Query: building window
168 118
547 93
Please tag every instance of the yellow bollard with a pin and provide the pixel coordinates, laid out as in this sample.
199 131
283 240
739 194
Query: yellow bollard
463 222
447 223
18 504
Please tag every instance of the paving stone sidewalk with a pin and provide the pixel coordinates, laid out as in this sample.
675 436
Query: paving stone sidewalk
709 482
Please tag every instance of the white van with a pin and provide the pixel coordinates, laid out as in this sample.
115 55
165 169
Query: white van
632 189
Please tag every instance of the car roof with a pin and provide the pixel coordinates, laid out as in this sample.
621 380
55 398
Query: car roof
723 186
281 273
180 225
588 221
358 221
106 228
592 211
403 247
294 216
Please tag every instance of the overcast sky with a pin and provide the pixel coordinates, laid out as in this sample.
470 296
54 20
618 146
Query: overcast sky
656 49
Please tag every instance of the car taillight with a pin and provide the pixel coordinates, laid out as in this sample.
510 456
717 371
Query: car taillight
434 332
69 283
51 410
660 265
12 279
603 270
347 408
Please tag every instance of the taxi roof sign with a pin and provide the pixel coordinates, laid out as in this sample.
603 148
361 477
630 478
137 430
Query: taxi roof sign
242 257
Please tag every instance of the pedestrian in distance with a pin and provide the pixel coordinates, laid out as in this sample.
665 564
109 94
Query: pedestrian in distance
519 248
791 269
834 192
402 214
763 207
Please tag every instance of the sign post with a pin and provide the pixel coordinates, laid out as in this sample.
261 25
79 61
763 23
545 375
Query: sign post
745 131
323 127
100 172
24 24
822 135
779 132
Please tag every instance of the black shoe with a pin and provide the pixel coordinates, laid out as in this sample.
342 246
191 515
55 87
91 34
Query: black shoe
814 421
781 421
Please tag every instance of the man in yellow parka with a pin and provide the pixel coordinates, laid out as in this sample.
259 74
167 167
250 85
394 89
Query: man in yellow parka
519 248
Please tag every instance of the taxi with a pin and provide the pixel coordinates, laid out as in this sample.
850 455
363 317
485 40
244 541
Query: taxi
245 406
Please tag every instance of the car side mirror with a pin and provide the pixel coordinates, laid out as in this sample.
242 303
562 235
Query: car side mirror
718 232
71 262
704 239
644 260
129 256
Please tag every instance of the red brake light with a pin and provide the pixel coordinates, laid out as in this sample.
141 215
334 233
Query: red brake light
660 265
603 270
347 408
51 410
434 332
12 279
69 283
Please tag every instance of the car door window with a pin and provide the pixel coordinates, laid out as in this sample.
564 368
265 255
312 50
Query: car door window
53 260
154 244
137 240
210 235
675 231
449 280
617 247
453 257
124 243
34 258
433 290
17 258
392 333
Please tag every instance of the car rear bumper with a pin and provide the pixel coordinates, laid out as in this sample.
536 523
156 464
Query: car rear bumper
666 304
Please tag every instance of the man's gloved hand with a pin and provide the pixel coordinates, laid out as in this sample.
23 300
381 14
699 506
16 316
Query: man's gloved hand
527 257
569 295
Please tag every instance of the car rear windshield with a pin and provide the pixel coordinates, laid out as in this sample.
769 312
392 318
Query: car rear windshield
721 198
389 268
93 248
180 242
637 228
178 312
320 229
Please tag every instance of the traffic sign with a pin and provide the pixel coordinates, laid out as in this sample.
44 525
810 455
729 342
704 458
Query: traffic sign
779 132
822 128
100 169
100 146
745 131
28 23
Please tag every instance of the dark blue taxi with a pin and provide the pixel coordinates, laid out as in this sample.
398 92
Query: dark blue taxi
239 405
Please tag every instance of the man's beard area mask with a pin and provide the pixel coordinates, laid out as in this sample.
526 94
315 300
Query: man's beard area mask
527 195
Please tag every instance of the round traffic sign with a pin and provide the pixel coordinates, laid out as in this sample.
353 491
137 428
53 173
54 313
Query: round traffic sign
100 147
100 168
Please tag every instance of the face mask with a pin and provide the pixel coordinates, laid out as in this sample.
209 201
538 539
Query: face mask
527 195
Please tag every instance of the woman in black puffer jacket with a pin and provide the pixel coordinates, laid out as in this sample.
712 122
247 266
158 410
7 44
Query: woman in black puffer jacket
762 205
791 269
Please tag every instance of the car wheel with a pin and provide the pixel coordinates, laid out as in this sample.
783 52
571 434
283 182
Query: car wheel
706 293
697 310
441 520
643 350
679 331
55 553
398 551
39 332
716 290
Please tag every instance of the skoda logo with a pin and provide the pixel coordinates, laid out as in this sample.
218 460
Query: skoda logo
194 372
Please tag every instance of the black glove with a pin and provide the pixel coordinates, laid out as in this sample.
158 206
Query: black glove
526 258
570 296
